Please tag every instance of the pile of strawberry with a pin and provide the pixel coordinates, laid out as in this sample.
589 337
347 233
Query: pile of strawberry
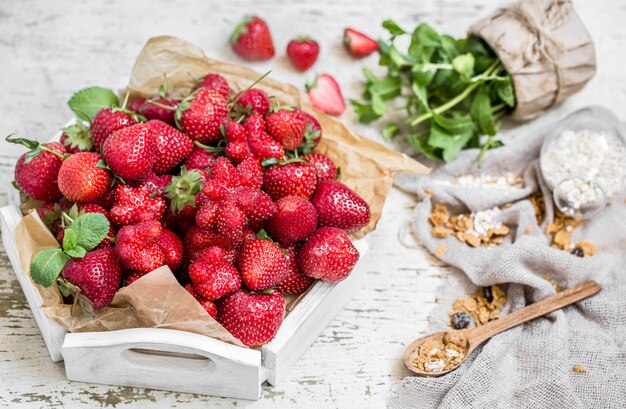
224 188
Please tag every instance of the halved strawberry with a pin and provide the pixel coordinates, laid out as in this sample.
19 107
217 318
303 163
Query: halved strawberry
325 95
358 44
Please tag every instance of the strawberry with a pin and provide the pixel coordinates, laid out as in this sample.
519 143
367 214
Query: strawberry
295 220
156 184
199 159
172 247
213 280
129 152
252 39
215 82
170 146
339 206
250 173
36 171
183 192
76 138
256 205
358 44
81 180
291 178
286 127
296 282
312 134
135 105
328 255
261 145
107 121
208 306
303 52
138 248
252 318
237 148
95 277
197 239
159 108
325 168
50 214
262 264
251 101
325 95
132 277
230 220
134 205
201 114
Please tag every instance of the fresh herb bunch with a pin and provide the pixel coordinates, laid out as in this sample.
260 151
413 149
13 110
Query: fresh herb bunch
454 91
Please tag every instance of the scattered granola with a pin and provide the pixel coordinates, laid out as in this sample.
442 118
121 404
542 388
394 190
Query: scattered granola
441 355
540 206
549 279
561 229
579 369
483 307
441 250
474 229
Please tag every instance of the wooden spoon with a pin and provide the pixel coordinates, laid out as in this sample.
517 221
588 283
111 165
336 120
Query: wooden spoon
478 335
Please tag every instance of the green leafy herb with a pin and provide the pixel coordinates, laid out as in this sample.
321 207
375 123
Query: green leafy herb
46 266
453 91
88 101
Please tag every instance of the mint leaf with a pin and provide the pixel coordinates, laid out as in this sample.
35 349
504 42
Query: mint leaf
390 130
46 266
91 229
76 252
393 28
482 114
69 239
464 65
88 101
505 92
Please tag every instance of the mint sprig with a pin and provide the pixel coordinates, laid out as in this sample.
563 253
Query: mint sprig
88 101
81 236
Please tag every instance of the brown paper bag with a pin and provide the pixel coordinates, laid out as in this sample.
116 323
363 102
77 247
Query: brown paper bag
546 49
157 300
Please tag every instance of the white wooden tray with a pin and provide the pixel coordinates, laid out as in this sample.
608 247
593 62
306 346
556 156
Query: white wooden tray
182 361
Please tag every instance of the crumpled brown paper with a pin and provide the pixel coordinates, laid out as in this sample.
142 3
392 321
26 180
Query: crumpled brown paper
546 49
366 166
157 300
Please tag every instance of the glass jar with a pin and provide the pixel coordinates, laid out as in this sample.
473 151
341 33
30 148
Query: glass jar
583 161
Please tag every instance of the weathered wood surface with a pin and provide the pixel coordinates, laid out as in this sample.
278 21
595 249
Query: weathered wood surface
51 49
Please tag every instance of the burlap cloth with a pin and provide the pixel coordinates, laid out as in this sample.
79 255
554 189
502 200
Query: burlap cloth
529 366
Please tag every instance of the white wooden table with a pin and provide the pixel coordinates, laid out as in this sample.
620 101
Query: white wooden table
51 49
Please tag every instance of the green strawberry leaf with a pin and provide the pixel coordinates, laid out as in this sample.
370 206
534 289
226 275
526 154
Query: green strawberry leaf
46 266
90 230
88 101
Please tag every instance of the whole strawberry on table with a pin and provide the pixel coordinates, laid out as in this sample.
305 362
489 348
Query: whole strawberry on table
224 188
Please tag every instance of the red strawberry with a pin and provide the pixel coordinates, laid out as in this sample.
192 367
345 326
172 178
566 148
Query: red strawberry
137 247
201 114
135 105
36 171
250 173
325 168
237 148
358 44
292 178
129 152
312 134
50 214
256 204
261 145
184 193
200 159
325 95
208 306
213 280
172 247
303 52
252 39
339 206
107 121
81 180
156 184
160 108
296 282
76 138
254 100
262 264
197 239
132 277
215 82
97 275
287 127
230 220
134 205
295 220
170 146
252 318
328 255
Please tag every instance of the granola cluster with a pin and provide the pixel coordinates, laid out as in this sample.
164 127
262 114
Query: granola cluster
474 229
483 307
441 355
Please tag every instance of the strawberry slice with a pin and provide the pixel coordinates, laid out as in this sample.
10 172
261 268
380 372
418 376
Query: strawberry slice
358 44
326 96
